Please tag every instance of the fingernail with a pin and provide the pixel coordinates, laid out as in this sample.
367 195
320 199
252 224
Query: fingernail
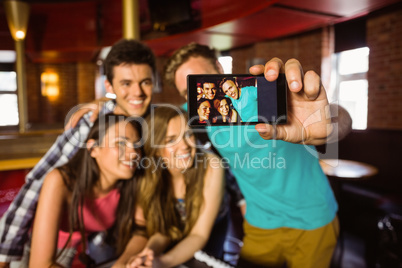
294 85
271 72
262 129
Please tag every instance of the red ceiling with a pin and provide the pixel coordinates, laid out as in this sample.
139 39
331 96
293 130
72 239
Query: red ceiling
76 30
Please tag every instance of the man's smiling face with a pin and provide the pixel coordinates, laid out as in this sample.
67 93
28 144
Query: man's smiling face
132 84
230 89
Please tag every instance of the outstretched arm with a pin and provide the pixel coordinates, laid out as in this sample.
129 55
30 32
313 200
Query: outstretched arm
309 113
80 110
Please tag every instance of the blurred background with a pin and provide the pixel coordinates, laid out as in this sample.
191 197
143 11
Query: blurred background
356 47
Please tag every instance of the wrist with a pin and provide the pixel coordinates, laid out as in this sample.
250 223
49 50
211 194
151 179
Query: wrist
165 260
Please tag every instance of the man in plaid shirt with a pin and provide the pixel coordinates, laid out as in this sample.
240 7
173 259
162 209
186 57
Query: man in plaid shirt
130 68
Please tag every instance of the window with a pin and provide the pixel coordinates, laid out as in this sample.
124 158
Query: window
226 62
350 89
8 89
8 99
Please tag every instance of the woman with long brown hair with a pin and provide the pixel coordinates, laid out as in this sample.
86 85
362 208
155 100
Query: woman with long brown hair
181 193
93 192
226 113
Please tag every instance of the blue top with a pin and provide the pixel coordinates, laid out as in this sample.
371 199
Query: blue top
246 104
283 183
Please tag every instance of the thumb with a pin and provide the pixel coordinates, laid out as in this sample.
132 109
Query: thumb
266 131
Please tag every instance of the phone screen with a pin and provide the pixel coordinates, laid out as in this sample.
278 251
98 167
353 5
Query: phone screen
236 99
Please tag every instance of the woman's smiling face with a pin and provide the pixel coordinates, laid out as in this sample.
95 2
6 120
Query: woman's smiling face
179 150
224 107
204 110
117 155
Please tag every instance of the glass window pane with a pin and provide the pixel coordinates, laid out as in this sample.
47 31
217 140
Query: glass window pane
8 110
226 62
354 61
353 97
8 56
8 81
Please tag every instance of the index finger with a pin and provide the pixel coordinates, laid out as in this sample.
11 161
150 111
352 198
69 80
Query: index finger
294 75
271 69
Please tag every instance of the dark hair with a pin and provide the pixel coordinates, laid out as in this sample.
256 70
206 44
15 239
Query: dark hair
128 51
204 100
218 102
233 79
183 54
209 81
82 173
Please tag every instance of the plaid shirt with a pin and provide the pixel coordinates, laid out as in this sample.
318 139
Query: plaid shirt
16 222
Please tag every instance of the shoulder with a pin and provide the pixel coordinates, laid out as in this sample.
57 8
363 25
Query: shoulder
212 159
214 173
54 182
250 89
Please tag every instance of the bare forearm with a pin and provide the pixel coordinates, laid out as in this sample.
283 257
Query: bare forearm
134 246
158 243
183 251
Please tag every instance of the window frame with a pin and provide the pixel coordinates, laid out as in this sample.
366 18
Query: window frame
339 78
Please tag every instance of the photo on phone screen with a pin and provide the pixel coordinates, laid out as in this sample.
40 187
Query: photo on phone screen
236 99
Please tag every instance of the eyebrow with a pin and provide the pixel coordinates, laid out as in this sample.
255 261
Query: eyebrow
123 81
146 79
174 136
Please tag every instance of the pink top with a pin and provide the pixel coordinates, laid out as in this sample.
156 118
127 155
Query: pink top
99 215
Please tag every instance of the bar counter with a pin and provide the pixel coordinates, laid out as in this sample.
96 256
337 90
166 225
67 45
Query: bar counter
23 151
19 153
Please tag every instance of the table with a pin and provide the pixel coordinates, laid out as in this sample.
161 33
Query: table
347 169
339 171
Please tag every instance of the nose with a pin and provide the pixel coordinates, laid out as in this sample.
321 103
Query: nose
131 152
184 144
136 90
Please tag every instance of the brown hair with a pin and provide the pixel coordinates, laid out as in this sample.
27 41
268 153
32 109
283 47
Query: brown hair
157 196
183 54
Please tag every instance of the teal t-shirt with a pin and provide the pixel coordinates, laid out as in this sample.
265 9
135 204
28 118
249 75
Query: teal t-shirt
283 183
246 104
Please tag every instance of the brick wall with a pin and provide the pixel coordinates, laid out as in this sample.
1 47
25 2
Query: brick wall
307 48
76 85
384 38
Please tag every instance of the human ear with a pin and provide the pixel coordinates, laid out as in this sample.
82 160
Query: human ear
92 147
109 87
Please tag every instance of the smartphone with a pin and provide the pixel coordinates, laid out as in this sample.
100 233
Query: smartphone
236 99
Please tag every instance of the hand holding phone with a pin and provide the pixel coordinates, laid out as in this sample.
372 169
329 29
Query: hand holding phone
237 99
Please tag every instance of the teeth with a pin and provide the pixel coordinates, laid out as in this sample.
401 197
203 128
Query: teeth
128 163
183 155
136 102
